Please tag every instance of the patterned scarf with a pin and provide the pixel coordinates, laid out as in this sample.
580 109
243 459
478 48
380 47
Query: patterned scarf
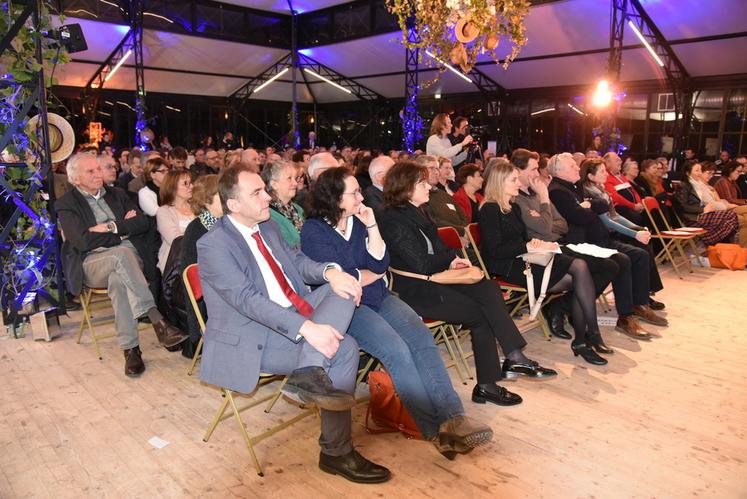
207 219
288 211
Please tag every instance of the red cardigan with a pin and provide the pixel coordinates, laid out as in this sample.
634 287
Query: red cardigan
461 198
617 198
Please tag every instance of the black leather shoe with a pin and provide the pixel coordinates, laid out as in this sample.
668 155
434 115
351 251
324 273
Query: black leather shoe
168 335
354 467
530 369
494 394
656 305
556 321
134 365
312 385
597 343
588 354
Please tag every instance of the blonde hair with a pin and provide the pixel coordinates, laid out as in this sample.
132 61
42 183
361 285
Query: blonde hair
495 182
438 123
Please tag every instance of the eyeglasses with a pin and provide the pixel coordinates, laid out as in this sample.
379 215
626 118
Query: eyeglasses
423 183
356 192
161 170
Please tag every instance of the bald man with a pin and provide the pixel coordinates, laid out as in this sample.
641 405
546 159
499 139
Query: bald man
374 193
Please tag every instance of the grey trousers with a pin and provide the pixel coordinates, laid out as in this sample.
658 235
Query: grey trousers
282 356
119 270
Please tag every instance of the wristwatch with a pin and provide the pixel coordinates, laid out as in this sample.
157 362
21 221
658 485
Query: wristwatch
110 226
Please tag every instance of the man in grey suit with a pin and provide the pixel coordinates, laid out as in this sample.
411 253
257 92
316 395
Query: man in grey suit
263 318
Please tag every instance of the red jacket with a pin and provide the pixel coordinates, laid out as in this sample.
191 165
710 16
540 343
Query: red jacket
611 186
461 198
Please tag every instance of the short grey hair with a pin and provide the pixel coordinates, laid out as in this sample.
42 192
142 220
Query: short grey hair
378 165
425 159
554 163
73 165
319 161
272 171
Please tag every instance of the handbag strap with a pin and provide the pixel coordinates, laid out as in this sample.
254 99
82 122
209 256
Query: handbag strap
535 304
422 277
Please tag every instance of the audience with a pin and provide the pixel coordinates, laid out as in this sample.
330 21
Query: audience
154 173
342 229
626 199
374 193
469 178
441 207
280 183
175 213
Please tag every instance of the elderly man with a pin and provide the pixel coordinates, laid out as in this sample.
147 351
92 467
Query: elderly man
374 193
321 162
632 283
105 245
250 156
108 170
441 206
263 318
625 198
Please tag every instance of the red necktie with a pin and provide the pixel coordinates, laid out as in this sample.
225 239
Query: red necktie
301 305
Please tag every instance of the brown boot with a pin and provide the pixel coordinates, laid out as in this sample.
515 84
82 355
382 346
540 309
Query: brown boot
134 365
628 325
460 434
168 335
645 313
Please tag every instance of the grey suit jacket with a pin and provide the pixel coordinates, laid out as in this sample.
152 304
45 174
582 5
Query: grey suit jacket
240 312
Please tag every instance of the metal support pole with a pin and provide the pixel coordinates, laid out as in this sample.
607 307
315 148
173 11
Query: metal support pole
296 138
136 25
411 121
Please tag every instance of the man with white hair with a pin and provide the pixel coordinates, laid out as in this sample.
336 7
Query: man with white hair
441 206
250 156
632 283
106 242
373 196
321 162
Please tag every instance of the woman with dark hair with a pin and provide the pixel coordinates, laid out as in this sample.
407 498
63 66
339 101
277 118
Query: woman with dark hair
205 203
469 200
727 187
342 229
504 238
699 207
174 214
362 162
281 185
415 246
154 174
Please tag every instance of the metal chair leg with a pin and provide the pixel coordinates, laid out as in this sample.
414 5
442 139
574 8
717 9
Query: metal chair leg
460 350
277 395
242 427
198 351
218 416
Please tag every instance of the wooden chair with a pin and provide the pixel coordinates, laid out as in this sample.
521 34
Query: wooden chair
518 296
194 290
671 240
88 304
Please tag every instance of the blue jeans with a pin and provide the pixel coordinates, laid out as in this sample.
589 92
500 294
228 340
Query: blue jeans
398 338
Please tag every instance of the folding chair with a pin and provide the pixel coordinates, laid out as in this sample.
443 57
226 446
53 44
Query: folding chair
518 296
88 305
194 290
671 240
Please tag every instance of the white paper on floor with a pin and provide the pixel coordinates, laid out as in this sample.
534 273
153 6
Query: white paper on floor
158 443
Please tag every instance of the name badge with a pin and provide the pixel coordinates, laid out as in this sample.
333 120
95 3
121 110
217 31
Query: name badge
623 186
451 206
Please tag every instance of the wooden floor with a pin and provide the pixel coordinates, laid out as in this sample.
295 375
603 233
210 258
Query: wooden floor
664 419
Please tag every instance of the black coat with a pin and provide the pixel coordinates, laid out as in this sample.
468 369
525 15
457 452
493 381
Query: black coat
584 224
504 237
405 231
687 201
76 217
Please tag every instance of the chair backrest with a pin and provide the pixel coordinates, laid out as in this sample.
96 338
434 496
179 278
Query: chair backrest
451 239
193 285
473 233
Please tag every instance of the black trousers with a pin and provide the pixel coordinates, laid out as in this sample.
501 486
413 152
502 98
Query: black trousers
655 283
479 307
631 285
603 270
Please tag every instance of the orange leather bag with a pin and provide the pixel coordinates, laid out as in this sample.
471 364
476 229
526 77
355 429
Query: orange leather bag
386 409
727 256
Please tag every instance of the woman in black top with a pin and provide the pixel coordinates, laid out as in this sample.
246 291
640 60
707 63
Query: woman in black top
414 246
504 238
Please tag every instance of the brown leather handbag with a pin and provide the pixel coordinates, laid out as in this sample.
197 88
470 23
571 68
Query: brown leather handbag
386 409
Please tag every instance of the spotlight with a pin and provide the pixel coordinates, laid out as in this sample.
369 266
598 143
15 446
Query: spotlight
602 95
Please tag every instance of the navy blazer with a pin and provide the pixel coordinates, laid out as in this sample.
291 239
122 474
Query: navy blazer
241 315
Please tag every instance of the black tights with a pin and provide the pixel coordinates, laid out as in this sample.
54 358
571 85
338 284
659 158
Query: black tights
583 300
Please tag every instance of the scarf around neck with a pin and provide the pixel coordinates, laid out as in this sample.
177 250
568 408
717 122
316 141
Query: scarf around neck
207 219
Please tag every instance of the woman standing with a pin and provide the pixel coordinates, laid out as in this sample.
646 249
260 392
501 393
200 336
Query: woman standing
439 145
175 213
469 200
281 185
154 173
504 238
342 229
414 246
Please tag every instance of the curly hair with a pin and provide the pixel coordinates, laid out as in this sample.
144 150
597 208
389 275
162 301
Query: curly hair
400 181
326 195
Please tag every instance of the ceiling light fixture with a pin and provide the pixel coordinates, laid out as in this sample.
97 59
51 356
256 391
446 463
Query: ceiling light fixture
646 44
541 111
119 63
327 80
281 73
450 67
602 95
576 109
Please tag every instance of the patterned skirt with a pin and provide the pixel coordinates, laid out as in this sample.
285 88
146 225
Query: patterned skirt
720 226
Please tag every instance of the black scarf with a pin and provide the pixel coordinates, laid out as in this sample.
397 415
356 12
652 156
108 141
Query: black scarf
153 187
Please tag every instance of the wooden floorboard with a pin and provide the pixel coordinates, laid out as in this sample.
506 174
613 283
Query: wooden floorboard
667 418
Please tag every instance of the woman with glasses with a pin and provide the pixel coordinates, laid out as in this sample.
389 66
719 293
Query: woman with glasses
281 184
342 229
175 213
414 246
154 173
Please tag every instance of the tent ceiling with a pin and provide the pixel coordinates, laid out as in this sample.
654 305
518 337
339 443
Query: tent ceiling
568 43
